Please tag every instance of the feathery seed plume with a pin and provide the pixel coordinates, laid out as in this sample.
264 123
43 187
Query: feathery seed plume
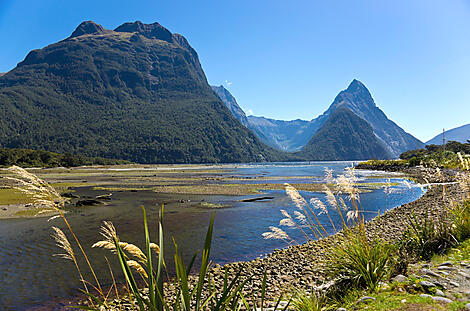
62 242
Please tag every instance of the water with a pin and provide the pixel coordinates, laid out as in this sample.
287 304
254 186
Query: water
30 276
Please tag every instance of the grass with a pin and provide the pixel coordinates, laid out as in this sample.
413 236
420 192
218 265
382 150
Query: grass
35 212
209 205
358 262
428 236
245 189
64 186
456 254
118 189
14 196
399 301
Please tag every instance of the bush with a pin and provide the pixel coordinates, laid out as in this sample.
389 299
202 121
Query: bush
358 262
428 236
315 301
460 216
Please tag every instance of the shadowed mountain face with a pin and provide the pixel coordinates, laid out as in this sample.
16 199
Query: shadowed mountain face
231 103
460 134
136 93
294 135
344 136
357 98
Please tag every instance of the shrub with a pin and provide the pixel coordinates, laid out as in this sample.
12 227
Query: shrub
358 262
426 237
315 301
460 217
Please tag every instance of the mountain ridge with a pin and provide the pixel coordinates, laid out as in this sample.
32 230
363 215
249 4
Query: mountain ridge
135 93
293 135
344 136
460 134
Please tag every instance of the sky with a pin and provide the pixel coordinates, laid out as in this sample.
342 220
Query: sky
289 59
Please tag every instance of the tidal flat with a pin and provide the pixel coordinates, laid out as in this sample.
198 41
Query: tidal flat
32 276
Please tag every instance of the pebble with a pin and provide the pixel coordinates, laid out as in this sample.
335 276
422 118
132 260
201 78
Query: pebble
427 284
442 299
465 275
440 293
430 272
467 306
455 284
425 296
447 268
400 278
365 298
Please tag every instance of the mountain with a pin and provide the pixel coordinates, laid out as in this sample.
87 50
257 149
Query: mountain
231 103
358 99
137 93
283 135
294 135
344 136
460 134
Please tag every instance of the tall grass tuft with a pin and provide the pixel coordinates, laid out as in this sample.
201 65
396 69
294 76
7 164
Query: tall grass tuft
460 217
46 195
428 236
190 294
356 260
313 301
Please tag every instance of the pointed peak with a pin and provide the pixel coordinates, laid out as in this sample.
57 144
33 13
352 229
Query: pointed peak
356 85
88 28
150 31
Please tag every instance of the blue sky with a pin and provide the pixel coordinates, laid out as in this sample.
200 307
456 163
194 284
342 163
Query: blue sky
289 59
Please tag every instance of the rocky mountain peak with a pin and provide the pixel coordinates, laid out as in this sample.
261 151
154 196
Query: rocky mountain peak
87 28
150 31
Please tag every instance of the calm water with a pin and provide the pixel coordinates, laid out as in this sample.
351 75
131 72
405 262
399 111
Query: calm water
30 276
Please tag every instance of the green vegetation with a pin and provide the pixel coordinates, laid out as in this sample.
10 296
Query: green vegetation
209 205
122 95
437 156
14 196
428 236
41 158
460 216
358 262
432 156
35 212
344 136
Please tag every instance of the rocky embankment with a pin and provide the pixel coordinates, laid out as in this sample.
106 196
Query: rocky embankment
303 266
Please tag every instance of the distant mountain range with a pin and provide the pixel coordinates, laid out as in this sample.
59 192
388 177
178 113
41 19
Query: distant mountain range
295 135
460 134
136 93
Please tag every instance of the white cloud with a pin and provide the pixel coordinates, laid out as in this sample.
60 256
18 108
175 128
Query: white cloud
250 112
228 83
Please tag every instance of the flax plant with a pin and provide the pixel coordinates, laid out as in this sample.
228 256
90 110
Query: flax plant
202 296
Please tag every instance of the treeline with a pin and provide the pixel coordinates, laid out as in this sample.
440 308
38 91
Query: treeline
41 158
437 155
